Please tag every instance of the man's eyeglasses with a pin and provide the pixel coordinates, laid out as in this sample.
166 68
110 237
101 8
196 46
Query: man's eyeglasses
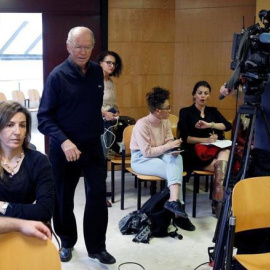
110 63
79 48
166 108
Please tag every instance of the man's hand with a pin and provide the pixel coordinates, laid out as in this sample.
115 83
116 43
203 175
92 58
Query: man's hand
224 91
35 229
71 151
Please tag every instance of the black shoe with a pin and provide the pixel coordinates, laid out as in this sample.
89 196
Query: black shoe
184 223
176 207
65 254
104 257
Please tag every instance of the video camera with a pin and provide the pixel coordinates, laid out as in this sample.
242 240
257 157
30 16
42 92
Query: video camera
250 57
251 65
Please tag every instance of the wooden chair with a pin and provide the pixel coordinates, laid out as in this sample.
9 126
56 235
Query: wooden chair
34 98
174 121
139 178
116 161
2 97
20 252
126 152
196 186
250 211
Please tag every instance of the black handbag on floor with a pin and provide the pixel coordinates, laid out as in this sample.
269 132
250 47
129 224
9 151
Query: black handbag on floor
151 220
160 217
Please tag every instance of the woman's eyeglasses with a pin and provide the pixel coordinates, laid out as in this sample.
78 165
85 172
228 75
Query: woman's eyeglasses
111 64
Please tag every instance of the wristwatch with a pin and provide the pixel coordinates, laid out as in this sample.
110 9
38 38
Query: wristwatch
4 207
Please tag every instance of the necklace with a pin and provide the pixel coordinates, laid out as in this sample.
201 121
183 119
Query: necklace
12 169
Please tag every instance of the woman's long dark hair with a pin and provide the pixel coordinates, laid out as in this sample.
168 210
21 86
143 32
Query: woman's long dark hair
199 84
118 62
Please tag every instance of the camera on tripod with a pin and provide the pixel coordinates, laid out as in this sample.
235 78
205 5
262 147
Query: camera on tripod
250 57
251 65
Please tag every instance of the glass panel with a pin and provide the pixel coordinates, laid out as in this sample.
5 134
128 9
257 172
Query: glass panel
21 64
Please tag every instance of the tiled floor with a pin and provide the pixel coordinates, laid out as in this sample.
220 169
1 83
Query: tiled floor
161 253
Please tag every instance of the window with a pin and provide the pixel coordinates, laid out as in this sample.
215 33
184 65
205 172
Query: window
20 52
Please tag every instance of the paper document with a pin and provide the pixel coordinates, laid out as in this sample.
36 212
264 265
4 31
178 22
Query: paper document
220 143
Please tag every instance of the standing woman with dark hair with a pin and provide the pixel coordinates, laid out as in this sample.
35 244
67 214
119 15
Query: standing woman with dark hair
111 64
203 124
25 174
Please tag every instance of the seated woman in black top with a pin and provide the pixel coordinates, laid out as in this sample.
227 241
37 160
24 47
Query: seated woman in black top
203 124
25 174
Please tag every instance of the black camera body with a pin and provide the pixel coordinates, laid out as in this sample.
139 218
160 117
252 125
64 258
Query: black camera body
251 57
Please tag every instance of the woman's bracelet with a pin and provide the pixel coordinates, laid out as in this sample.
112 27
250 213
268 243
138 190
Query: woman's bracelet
212 124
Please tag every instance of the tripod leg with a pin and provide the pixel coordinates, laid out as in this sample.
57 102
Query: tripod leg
219 259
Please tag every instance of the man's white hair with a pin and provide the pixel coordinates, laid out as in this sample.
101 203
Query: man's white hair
75 30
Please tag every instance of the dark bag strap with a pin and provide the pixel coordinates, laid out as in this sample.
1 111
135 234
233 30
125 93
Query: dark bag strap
49 225
174 234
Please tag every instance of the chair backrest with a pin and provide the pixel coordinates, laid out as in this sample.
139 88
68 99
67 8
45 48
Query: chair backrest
34 98
174 121
251 203
18 96
2 97
18 251
127 137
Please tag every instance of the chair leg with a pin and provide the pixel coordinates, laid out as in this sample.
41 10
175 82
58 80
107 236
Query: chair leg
206 183
122 187
112 182
139 194
211 187
184 189
196 184
162 185
153 188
